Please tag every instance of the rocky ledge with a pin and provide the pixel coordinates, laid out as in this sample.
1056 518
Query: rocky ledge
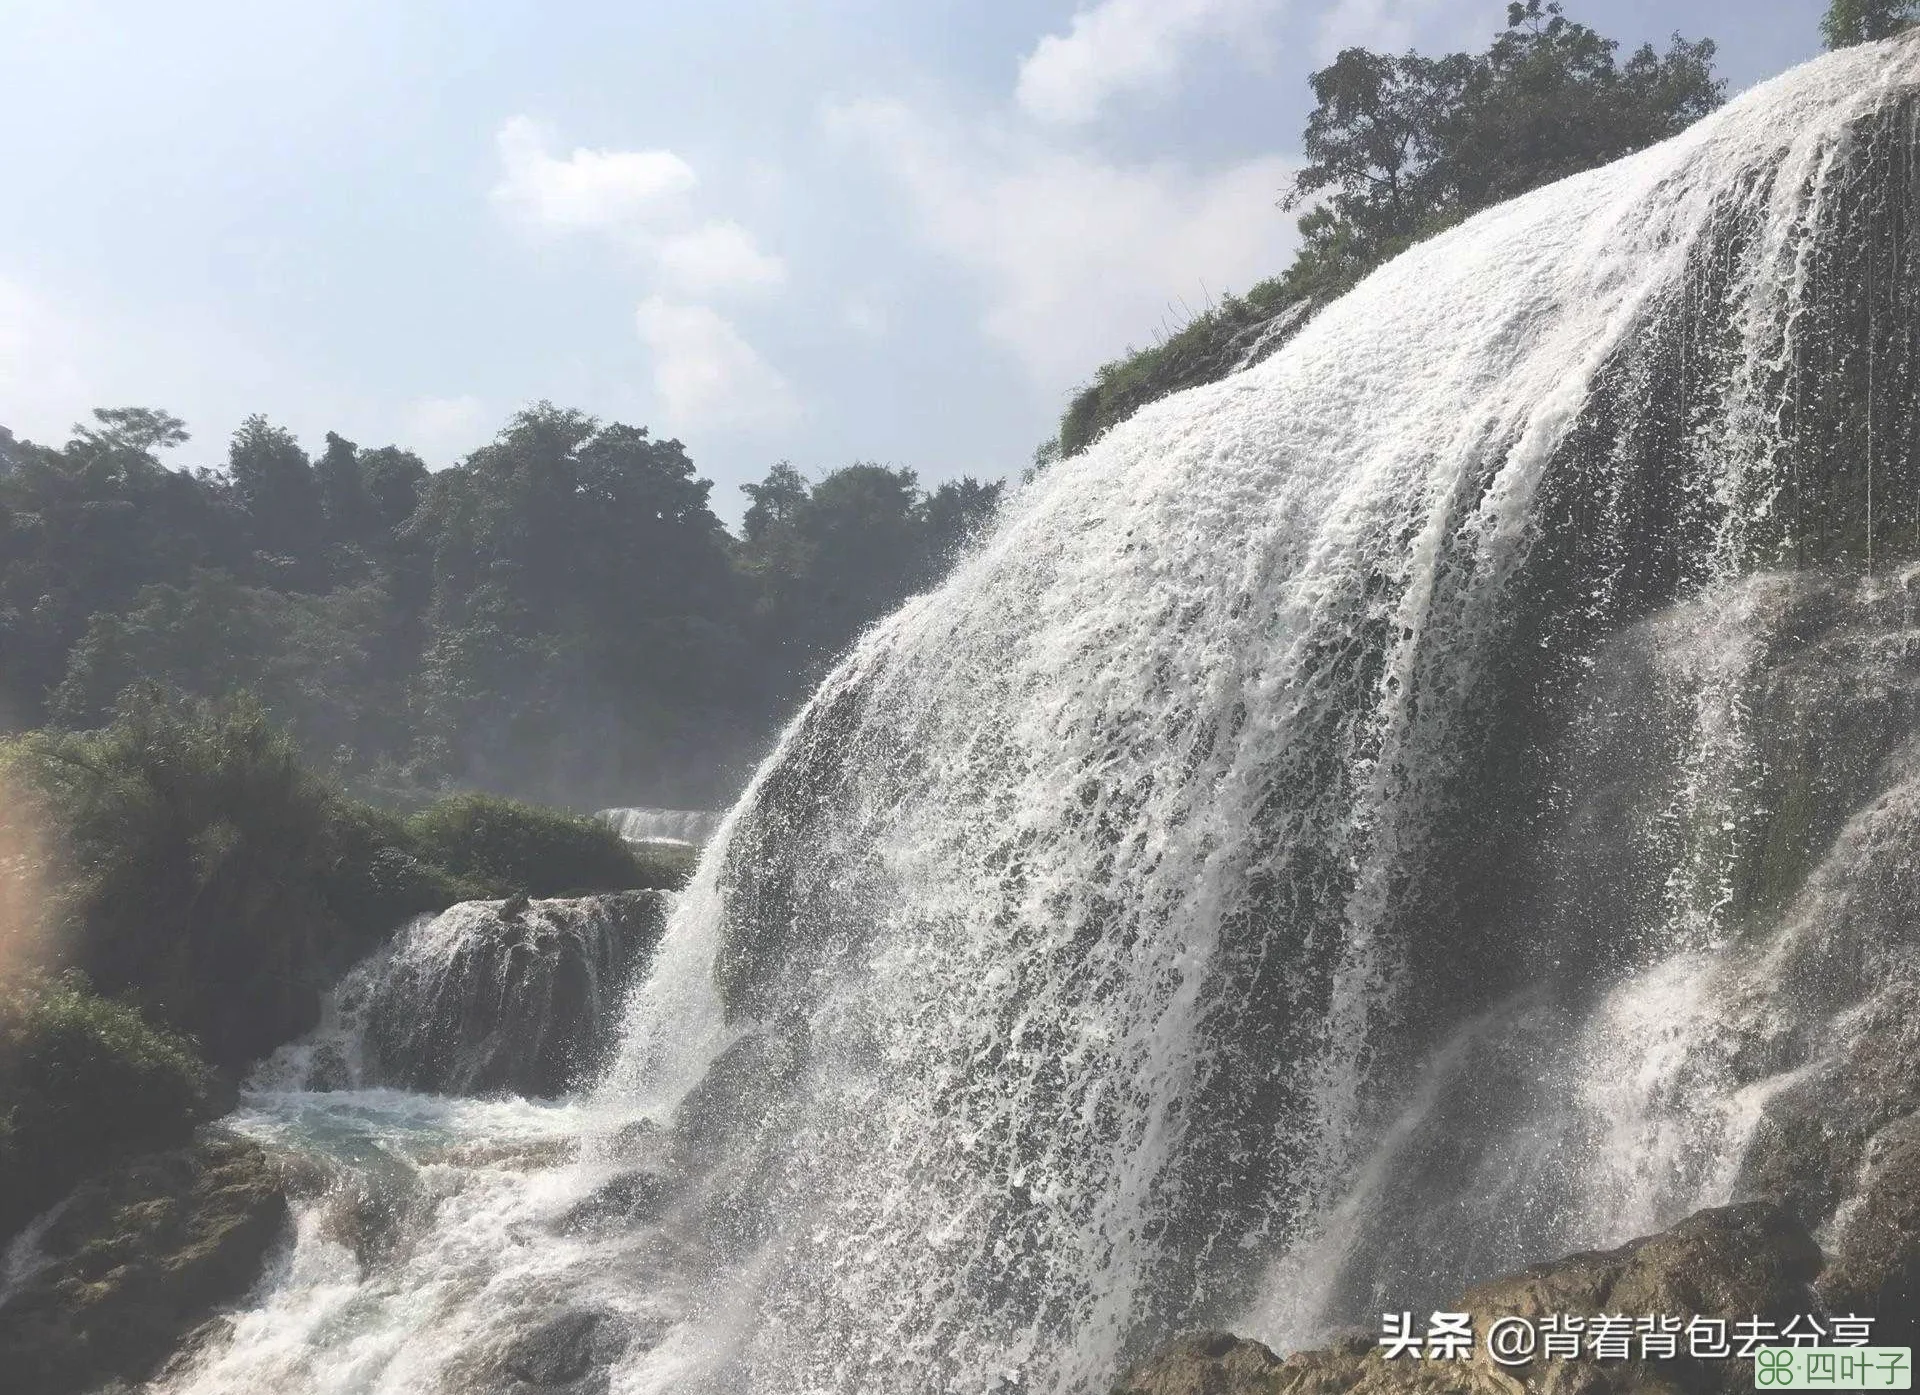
1732 1262
136 1260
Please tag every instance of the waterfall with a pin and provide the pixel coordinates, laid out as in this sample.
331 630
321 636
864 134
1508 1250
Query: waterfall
689 826
488 997
1425 802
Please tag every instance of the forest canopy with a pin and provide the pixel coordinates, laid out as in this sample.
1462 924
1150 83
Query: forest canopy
561 616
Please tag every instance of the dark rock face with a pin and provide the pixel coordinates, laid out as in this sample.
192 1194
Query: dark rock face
1877 1266
517 996
568 1354
136 1263
1730 1262
1205 1363
640 1195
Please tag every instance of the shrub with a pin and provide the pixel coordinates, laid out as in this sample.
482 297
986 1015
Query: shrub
1204 350
521 847
373 876
187 838
199 870
84 1081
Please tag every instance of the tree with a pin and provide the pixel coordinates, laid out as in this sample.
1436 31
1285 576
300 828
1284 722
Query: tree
84 528
561 616
275 483
1548 100
581 631
308 659
140 429
1379 128
1400 147
1850 22
957 513
829 559
343 495
394 482
775 502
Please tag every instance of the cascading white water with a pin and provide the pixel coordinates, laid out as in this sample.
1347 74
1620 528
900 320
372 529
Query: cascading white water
691 826
1068 973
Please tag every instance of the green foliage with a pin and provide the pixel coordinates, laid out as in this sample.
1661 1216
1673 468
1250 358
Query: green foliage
82 531
307 658
1850 22
1402 146
83 1081
141 430
275 483
826 560
1205 350
581 631
373 875
520 847
204 873
560 617
187 837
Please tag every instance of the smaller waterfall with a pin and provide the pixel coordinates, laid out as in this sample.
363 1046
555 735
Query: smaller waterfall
486 998
692 827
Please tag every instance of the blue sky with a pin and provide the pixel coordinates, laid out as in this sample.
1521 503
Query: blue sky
819 232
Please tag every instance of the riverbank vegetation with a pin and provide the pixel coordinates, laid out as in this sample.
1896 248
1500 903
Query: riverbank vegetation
186 889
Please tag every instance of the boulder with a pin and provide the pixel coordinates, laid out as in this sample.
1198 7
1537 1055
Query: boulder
511 997
137 1260
1205 1363
566 1354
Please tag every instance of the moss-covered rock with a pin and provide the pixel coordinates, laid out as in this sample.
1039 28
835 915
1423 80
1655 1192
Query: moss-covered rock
137 1260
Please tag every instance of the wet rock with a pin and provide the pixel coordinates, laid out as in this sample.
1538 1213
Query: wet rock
1204 1363
138 1262
568 1353
750 1078
512 997
1729 1262
631 1197
1876 1267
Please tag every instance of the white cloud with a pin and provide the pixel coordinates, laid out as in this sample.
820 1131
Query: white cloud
717 257
444 429
602 190
865 316
706 375
1385 26
1120 46
1078 256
